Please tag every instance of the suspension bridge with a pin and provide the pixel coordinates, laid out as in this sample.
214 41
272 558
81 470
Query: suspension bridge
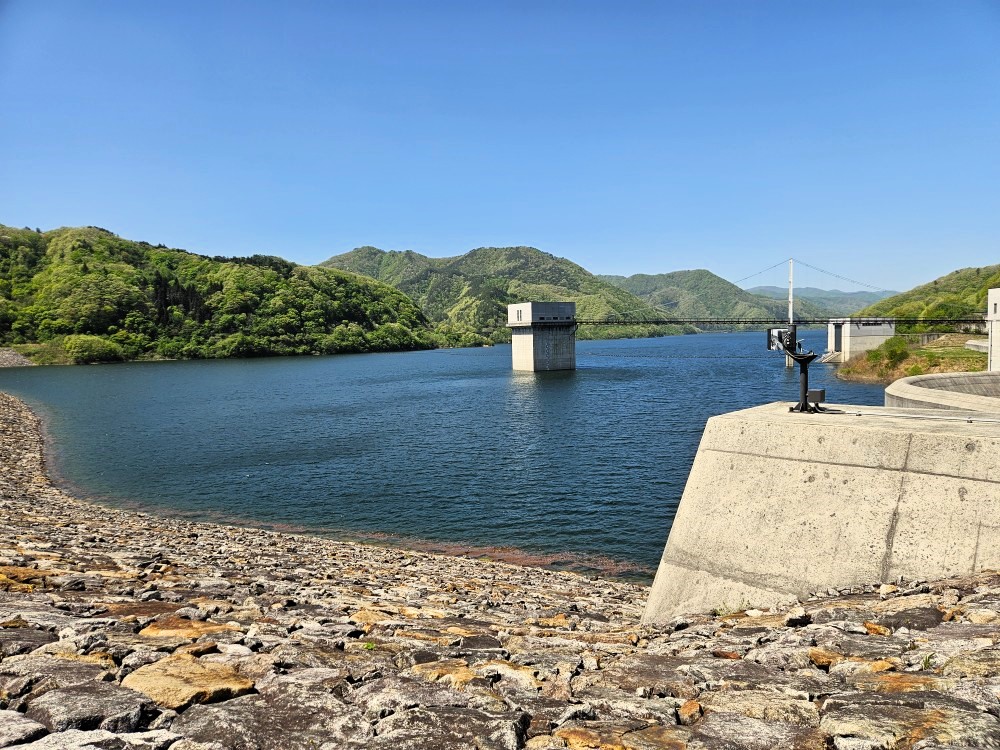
543 334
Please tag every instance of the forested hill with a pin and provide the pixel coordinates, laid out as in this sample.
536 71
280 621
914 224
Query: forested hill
702 294
467 296
834 300
85 294
959 294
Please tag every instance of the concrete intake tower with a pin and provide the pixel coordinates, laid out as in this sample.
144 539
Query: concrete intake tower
543 335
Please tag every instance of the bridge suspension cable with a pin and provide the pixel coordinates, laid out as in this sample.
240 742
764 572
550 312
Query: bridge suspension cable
814 268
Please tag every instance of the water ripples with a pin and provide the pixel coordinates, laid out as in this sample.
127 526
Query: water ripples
447 450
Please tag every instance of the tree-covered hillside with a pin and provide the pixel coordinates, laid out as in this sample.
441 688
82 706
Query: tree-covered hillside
91 295
959 294
702 294
467 296
834 300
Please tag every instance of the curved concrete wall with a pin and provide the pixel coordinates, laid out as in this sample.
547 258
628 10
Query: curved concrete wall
968 391
780 505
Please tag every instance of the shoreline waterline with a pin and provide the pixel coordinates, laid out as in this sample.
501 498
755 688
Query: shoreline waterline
574 563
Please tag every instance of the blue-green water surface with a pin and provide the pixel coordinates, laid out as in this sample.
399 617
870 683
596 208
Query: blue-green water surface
444 449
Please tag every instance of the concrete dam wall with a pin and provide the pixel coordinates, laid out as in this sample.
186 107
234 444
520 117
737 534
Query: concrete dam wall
781 505
969 391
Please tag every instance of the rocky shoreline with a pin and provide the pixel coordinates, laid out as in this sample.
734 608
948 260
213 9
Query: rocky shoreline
124 630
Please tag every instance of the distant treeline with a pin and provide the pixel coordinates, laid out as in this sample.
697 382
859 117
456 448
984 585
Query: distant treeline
86 294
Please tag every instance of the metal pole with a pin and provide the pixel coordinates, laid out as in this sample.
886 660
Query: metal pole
803 386
791 314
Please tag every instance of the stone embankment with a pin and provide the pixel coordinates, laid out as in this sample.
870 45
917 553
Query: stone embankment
10 358
122 630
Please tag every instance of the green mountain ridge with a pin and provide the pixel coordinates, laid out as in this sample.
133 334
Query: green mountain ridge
959 294
467 295
89 295
702 294
834 300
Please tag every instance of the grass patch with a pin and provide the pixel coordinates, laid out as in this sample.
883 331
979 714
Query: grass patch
45 353
897 359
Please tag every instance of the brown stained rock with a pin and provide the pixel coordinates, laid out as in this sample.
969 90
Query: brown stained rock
179 681
556 621
727 731
900 682
429 636
599 735
657 738
824 658
254 667
689 712
94 705
511 675
455 672
544 742
766 705
981 616
198 649
892 726
16 728
15 574
985 663
178 627
8 584
365 618
874 628
413 613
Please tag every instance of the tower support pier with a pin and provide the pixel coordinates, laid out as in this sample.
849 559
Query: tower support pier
543 335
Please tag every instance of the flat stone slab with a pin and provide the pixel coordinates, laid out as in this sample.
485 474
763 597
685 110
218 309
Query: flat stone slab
16 729
94 705
178 681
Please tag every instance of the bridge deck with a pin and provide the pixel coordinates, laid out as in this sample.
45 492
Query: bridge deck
777 321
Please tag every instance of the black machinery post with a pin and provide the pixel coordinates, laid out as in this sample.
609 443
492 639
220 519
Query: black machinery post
803 359
788 342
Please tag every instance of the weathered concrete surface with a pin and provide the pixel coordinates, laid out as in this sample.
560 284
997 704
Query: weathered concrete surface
543 335
963 391
778 505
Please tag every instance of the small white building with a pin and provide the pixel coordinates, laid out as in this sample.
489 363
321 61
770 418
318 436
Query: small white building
993 329
543 335
846 338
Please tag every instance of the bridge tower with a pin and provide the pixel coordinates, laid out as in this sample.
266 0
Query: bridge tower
543 335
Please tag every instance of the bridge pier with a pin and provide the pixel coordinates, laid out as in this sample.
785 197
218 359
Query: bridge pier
543 335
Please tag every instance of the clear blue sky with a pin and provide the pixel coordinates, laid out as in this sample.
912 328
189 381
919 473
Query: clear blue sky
861 136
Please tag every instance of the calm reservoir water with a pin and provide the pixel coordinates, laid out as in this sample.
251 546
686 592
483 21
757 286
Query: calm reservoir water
446 450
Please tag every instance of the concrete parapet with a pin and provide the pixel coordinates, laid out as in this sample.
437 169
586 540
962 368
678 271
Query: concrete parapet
968 391
779 505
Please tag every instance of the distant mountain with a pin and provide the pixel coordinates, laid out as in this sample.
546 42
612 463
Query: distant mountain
86 294
702 294
467 295
959 294
834 300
